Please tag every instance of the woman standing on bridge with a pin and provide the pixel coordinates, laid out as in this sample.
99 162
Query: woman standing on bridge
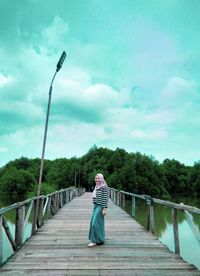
100 200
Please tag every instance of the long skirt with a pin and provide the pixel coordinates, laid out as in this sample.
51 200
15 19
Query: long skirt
97 231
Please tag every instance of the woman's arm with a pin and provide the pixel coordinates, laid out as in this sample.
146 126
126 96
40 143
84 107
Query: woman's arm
105 195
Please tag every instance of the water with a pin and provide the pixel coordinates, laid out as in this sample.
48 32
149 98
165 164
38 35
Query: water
189 246
10 218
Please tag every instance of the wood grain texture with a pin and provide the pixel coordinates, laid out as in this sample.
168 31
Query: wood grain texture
60 247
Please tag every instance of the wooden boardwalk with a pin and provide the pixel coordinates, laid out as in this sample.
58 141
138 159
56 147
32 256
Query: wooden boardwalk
59 247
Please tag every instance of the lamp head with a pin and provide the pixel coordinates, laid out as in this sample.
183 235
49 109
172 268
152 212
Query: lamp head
61 60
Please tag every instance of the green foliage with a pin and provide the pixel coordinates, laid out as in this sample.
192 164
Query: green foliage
15 185
21 163
132 172
46 189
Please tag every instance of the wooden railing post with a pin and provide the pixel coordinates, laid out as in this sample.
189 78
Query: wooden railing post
64 197
57 202
19 225
68 195
61 199
48 207
175 229
1 239
133 206
41 206
34 224
54 203
150 218
123 201
118 199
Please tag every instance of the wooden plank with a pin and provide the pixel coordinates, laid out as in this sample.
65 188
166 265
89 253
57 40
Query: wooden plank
105 272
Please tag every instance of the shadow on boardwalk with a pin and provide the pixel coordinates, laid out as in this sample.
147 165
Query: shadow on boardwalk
59 247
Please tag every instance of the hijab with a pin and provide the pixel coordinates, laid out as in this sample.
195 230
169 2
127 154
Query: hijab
101 184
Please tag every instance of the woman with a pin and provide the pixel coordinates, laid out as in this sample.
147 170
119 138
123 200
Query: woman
100 200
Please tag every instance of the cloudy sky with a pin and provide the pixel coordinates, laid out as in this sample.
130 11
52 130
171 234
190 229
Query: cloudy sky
131 78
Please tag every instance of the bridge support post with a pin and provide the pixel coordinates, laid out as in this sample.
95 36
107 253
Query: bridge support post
175 228
34 225
48 208
19 226
150 221
133 206
123 201
40 217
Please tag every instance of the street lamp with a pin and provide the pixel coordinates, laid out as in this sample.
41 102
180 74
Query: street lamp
58 67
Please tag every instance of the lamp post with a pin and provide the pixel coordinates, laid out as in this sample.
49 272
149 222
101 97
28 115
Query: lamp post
58 67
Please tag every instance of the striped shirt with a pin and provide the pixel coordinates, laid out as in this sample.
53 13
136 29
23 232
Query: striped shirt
102 195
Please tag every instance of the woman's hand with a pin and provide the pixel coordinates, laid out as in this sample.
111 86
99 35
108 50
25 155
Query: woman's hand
104 211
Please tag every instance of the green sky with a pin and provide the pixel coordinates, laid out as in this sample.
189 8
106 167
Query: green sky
130 79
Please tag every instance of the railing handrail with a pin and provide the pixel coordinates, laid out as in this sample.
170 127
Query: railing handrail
4 210
171 204
118 196
48 205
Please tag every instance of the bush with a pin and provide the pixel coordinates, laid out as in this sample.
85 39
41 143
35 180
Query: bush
46 189
15 185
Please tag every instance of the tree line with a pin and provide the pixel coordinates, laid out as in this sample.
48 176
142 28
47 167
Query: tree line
132 172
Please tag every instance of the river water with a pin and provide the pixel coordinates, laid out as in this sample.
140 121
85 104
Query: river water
189 247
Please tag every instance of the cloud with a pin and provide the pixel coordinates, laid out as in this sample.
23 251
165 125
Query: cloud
54 36
63 140
5 80
125 83
3 149
179 93
156 134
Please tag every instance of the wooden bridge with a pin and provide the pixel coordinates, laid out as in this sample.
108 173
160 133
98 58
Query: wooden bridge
59 247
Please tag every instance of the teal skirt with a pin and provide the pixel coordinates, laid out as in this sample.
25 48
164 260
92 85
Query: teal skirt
97 231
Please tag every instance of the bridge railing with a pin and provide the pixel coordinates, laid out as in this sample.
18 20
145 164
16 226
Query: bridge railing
118 197
48 206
